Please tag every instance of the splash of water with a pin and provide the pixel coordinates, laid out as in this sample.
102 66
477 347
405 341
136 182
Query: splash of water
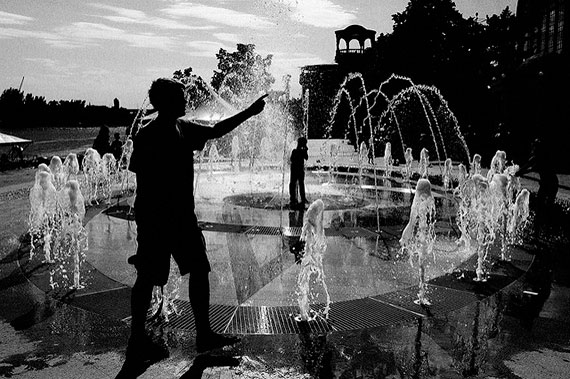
56 226
388 160
477 220
313 235
58 172
448 174
409 159
91 175
424 163
43 206
71 243
475 168
418 237
71 166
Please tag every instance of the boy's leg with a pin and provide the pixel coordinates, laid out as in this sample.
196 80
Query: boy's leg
199 291
141 347
141 296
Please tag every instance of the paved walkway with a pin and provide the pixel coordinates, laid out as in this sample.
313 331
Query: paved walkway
525 335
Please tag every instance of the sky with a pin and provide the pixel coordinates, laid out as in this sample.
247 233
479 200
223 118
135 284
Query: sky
104 49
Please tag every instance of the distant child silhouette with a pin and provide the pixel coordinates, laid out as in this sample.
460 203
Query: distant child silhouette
117 147
542 162
297 180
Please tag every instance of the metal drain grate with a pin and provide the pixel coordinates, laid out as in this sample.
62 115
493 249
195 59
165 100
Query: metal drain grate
292 231
272 320
264 230
365 313
220 316
443 300
221 227
262 320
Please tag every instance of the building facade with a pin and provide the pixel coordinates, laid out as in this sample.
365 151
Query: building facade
321 83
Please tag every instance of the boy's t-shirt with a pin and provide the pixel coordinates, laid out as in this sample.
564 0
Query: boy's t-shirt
162 160
298 157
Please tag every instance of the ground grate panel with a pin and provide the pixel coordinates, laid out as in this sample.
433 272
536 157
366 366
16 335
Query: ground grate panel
292 231
272 320
220 316
365 313
443 300
222 227
264 230
263 320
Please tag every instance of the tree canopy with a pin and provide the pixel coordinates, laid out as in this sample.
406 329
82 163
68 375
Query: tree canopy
242 74
465 58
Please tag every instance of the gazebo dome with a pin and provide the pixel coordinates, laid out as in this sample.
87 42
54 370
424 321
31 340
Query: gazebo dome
354 32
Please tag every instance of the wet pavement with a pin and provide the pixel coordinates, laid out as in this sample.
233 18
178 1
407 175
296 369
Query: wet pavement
521 331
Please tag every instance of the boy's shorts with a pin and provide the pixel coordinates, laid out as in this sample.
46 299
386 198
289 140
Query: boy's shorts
157 243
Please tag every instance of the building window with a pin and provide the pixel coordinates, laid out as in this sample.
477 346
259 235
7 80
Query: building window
560 30
551 30
543 34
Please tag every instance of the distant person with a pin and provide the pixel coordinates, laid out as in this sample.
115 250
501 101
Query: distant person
165 231
297 181
542 162
117 147
371 151
17 153
101 143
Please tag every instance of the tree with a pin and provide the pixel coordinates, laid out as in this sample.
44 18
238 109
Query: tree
12 106
243 74
464 58
501 51
241 77
197 91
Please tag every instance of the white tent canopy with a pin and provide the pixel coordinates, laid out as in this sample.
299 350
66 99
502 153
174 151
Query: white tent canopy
8 140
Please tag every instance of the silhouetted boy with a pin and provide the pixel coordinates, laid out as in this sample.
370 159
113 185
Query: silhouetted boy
297 180
165 217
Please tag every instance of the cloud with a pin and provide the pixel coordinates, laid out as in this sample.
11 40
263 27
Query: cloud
227 37
318 13
21 33
133 16
207 49
13 19
85 34
46 62
54 68
287 59
217 15
89 34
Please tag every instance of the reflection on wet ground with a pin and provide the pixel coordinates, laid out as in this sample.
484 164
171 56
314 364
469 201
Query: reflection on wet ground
509 329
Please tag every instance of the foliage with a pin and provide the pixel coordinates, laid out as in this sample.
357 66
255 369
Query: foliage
242 74
19 110
464 58
197 92
241 77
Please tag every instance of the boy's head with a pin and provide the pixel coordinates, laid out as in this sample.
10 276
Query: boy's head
167 97
302 142
117 136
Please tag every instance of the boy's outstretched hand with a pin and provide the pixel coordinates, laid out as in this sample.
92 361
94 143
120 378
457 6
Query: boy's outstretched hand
257 106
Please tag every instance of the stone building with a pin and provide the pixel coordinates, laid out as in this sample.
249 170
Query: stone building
320 83
537 99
